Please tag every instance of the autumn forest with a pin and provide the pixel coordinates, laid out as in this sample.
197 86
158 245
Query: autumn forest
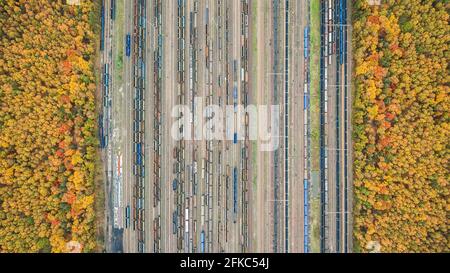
47 126
401 125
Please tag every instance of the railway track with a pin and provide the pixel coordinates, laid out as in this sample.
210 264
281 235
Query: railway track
340 21
201 185
157 127
307 136
286 125
276 182
181 213
244 102
105 127
334 63
139 66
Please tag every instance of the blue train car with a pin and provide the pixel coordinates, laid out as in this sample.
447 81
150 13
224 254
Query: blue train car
113 9
127 216
235 138
305 101
106 75
141 247
306 42
206 15
143 68
101 135
341 32
128 45
138 154
235 95
102 141
202 241
142 21
174 184
175 222
235 182
160 40
102 32
306 216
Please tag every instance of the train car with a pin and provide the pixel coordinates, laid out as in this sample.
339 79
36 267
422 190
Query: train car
235 185
102 32
160 40
113 9
306 216
194 184
206 14
101 131
134 220
143 21
235 95
141 246
106 76
174 184
175 222
306 42
138 153
202 241
341 31
128 45
186 222
127 216
305 101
